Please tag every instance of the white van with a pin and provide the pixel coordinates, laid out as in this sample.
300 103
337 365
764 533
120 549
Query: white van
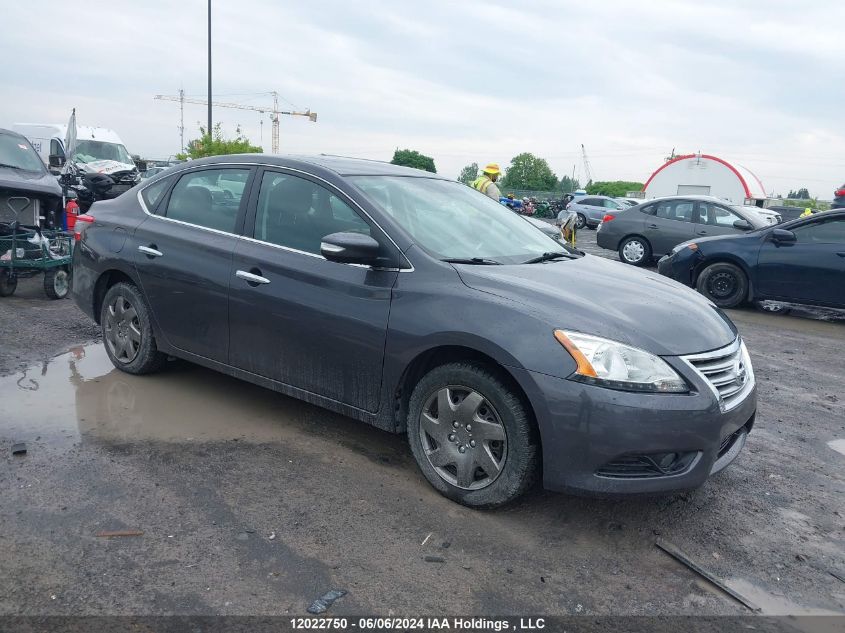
98 150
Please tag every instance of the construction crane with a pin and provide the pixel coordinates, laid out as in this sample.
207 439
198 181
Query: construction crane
274 112
587 169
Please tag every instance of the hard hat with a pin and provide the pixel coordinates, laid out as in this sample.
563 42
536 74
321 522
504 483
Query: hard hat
492 169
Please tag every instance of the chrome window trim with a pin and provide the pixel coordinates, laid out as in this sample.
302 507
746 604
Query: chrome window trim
181 172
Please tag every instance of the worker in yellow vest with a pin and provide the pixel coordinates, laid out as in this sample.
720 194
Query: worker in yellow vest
807 212
486 182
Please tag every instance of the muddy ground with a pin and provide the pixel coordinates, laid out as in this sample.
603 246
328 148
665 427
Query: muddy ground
254 503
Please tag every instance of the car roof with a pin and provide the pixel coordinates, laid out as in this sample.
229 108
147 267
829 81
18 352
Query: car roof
340 165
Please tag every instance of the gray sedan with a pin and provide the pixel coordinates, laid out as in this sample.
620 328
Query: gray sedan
591 210
655 227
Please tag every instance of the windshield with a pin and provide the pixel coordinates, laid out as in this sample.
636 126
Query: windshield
453 221
17 153
89 151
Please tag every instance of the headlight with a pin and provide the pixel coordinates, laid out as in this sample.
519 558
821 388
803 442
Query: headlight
615 365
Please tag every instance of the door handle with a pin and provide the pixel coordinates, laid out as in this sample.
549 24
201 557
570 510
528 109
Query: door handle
841 253
251 278
652 226
150 251
701 232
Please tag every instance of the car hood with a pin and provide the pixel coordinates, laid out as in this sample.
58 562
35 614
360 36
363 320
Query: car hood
610 299
29 182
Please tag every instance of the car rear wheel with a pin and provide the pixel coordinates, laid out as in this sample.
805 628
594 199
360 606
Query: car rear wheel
127 331
635 251
581 221
472 436
724 284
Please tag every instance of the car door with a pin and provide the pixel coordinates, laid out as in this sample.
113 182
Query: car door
297 318
183 257
811 269
669 224
715 219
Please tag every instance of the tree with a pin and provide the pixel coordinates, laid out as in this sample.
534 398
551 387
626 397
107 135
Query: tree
568 185
215 145
412 158
526 171
613 188
468 174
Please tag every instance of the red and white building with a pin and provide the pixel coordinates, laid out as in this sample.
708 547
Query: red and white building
705 175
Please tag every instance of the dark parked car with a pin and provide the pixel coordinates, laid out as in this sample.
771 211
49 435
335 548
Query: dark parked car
28 192
839 198
802 261
787 213
655 227
420 306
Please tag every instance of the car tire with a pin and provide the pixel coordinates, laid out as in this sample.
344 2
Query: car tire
724 284
581 221
635 250
8 284
57 283
127 331
482 467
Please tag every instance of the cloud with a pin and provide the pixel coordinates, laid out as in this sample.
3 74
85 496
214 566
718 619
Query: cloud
755 81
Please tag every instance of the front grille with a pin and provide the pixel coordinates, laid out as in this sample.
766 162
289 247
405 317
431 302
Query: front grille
727 371
647 466
19 206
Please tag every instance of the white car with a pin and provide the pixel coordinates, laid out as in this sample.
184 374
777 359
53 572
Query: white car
772 217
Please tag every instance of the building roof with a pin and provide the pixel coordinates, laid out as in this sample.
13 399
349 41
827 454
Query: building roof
750 182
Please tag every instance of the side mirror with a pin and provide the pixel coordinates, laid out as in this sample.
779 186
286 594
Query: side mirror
743 225
351 248
56 160
782 236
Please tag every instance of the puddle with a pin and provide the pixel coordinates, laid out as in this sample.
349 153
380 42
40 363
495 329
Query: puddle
771 604
80 396
837 445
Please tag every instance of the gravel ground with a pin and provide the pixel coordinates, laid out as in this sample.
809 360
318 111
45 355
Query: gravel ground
254 503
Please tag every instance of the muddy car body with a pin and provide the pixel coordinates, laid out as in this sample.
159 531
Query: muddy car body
418 305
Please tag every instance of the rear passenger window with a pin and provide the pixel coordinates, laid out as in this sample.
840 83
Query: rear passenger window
681 211
297 213
153 194
209 198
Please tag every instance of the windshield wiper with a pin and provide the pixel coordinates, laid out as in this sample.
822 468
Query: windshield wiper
481 261
10 166
549 256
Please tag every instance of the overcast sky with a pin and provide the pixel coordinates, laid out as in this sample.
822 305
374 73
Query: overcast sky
758 82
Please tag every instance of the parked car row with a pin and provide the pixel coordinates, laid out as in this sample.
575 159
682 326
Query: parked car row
734 254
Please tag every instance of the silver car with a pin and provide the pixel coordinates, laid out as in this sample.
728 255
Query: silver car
655 227
591 209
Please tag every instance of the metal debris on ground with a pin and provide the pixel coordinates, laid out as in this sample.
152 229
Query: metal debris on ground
678 555
109 533
19 448
434 559
837 575
325 601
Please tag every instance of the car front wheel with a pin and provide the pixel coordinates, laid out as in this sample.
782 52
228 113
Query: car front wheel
127 331
724 284
635 251
472 436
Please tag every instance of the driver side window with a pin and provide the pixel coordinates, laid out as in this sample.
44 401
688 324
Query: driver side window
822 232
716 215
296 213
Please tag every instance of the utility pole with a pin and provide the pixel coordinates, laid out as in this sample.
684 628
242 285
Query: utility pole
587 169
274 129
209 68
181 120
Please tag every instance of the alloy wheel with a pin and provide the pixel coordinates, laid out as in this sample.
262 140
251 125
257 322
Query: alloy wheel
463 437
122 330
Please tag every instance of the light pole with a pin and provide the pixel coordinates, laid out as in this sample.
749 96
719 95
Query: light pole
209 68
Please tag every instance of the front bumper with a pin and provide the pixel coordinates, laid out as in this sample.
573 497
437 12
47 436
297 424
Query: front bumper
679 266
586 429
